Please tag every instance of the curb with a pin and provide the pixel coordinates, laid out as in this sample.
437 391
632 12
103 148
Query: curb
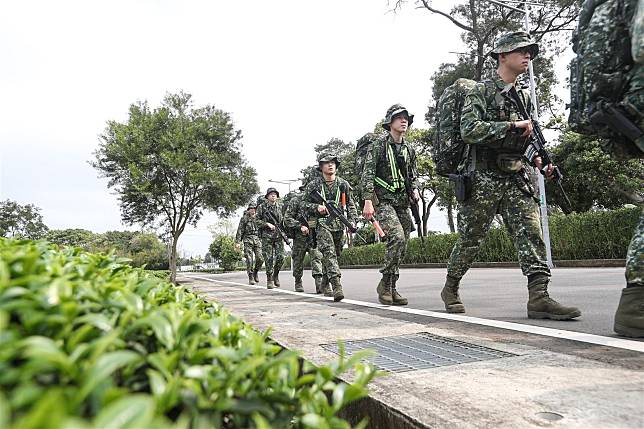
564 263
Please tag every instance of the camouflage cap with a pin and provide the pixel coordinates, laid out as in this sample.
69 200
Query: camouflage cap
393 111
328 157
508 42
251 205
270 191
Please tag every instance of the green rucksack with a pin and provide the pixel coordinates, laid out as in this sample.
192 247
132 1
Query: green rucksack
606 84
448 149
363 146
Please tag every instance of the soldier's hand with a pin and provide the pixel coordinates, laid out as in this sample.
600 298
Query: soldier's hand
270 226
367 210
526 126
304 230
322 209
416 195
538 162
237 245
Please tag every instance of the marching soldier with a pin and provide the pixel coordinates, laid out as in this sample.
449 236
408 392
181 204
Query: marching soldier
269 218
247 234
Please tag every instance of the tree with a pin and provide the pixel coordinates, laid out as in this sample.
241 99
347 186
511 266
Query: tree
223 251
592 179
74 237
20 221
170 163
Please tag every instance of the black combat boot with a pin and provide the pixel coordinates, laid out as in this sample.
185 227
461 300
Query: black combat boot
384 290
450 297
326 288
298 285
276 279
251 279
318 284
629 318
338 294
256 276
541 306
269 281
397 298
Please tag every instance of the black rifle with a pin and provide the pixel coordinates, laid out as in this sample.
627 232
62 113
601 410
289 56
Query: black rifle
539 142
607 115
334 212
413 204
312 237
272 219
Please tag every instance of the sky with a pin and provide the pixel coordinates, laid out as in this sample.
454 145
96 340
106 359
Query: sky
292 73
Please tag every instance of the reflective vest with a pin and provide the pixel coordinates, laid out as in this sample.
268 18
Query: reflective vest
398 178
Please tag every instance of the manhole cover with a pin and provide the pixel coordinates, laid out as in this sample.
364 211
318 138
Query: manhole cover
419 351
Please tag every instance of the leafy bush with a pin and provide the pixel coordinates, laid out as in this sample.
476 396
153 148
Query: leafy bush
87 341
224 252
589 235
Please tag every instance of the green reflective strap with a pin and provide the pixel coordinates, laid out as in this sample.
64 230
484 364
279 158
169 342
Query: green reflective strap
398 180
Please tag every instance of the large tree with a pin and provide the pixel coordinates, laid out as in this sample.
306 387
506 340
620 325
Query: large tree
170 163
21 221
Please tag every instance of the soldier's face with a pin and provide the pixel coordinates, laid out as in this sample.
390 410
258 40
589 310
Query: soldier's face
328 167
399 123
517 60
251 212
272 197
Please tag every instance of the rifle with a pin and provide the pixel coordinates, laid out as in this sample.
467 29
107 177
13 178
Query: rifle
606 114
413 204
538 141
271 217
334 212
312 237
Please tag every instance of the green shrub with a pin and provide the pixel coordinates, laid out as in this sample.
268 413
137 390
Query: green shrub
223 251
87 341
589 235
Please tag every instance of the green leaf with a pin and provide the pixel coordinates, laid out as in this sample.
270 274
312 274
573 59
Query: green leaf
130 412
157 382
314 421
47 412
105 366
5 412
97 320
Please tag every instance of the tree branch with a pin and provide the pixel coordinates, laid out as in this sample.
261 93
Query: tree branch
454 21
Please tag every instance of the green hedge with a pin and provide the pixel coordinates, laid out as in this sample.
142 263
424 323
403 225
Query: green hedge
589 235
89 342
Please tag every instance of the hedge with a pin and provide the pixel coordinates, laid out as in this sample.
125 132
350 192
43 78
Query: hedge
88 342
589 235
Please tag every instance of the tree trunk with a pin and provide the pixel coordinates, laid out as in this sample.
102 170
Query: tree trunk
173 259
450 217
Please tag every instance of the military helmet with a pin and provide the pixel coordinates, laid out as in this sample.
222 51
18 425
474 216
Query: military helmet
271 190
393 111
508 42
251 205
328 157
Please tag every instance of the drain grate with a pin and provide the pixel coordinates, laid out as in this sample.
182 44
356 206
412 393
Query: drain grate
419 351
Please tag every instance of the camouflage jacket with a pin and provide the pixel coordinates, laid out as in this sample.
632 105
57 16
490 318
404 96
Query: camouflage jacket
294 208
332 192
262 218
488 111
247 227
380 170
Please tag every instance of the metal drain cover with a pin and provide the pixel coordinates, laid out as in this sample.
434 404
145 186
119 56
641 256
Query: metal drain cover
419 351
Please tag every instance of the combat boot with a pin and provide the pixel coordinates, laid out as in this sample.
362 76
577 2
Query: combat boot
397 298
276 279
326 288
629 318
338 294
256 276
298 285
450 296
318 284
269 281
384 290
251 279
541 306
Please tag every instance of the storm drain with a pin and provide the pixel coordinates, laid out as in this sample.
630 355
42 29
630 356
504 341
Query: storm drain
419 351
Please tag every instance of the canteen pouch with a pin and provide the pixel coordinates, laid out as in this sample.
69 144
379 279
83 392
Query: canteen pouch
509 162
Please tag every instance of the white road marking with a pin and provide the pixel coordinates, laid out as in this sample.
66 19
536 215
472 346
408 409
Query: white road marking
530 329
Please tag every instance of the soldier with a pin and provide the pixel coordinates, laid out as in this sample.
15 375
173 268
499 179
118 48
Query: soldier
247 233
498 139
330 231
269 215
387 164
303 241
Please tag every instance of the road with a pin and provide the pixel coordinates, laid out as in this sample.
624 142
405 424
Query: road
488 293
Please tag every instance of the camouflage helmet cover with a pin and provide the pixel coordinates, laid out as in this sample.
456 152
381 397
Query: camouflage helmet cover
393 111
508 42
251 205
328 157
270 191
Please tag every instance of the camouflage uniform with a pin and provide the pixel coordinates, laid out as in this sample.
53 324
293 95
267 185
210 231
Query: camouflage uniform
597 70
272 243
500 185
383 183
301 243
247 233
330 233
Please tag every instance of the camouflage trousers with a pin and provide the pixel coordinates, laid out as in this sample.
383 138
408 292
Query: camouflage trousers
492 195
300 247
396 223
273 251
635 255
330 246
253 253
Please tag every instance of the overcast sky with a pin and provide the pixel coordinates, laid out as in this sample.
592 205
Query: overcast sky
293 74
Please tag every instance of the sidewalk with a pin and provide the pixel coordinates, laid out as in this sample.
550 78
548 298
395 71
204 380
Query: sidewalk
525 381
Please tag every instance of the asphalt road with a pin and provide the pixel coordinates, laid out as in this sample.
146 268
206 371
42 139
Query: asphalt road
489 293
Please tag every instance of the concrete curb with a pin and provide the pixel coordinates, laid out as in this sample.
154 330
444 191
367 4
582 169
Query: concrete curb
565 263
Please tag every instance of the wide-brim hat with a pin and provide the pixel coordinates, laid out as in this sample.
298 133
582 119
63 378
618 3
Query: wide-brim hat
392 112
328 157
508 42
271 190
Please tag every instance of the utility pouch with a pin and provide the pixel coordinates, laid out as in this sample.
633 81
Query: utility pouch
509 162
462 186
